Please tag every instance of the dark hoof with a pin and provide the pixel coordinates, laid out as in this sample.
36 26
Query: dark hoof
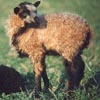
35 95
46 88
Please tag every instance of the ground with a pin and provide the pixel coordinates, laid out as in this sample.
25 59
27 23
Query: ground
88 9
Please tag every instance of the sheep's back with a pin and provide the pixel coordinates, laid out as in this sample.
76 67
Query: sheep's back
66 33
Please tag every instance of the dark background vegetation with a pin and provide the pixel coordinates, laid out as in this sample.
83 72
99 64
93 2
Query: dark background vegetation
89 10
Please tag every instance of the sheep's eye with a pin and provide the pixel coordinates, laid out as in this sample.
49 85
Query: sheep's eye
24 15
35 12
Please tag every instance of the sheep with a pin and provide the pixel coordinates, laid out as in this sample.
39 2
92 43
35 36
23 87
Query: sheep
36 36
10 80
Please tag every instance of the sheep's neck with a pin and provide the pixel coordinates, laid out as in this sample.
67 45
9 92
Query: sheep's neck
17 34
21 31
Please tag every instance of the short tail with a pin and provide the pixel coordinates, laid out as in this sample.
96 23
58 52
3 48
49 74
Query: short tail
88 38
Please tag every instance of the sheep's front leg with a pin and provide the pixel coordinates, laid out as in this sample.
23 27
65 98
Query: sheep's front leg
42 74
38 69
75 71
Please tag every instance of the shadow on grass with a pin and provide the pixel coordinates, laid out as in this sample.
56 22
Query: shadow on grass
11 82
90 89
93 82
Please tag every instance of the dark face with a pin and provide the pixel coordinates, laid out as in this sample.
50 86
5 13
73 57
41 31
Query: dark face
27 11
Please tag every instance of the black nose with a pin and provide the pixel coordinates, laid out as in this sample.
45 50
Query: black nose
36 19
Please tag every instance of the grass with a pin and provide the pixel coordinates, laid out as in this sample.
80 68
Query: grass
87 9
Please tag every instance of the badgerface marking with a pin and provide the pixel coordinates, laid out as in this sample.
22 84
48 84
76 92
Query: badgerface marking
27 11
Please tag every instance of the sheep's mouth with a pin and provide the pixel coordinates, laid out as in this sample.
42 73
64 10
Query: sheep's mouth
22 54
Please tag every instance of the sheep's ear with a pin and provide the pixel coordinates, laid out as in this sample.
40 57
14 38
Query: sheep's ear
36 4
16 10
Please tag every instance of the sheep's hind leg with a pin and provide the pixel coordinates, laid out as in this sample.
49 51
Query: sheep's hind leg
75 72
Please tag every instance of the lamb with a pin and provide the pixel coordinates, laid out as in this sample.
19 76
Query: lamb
36 36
